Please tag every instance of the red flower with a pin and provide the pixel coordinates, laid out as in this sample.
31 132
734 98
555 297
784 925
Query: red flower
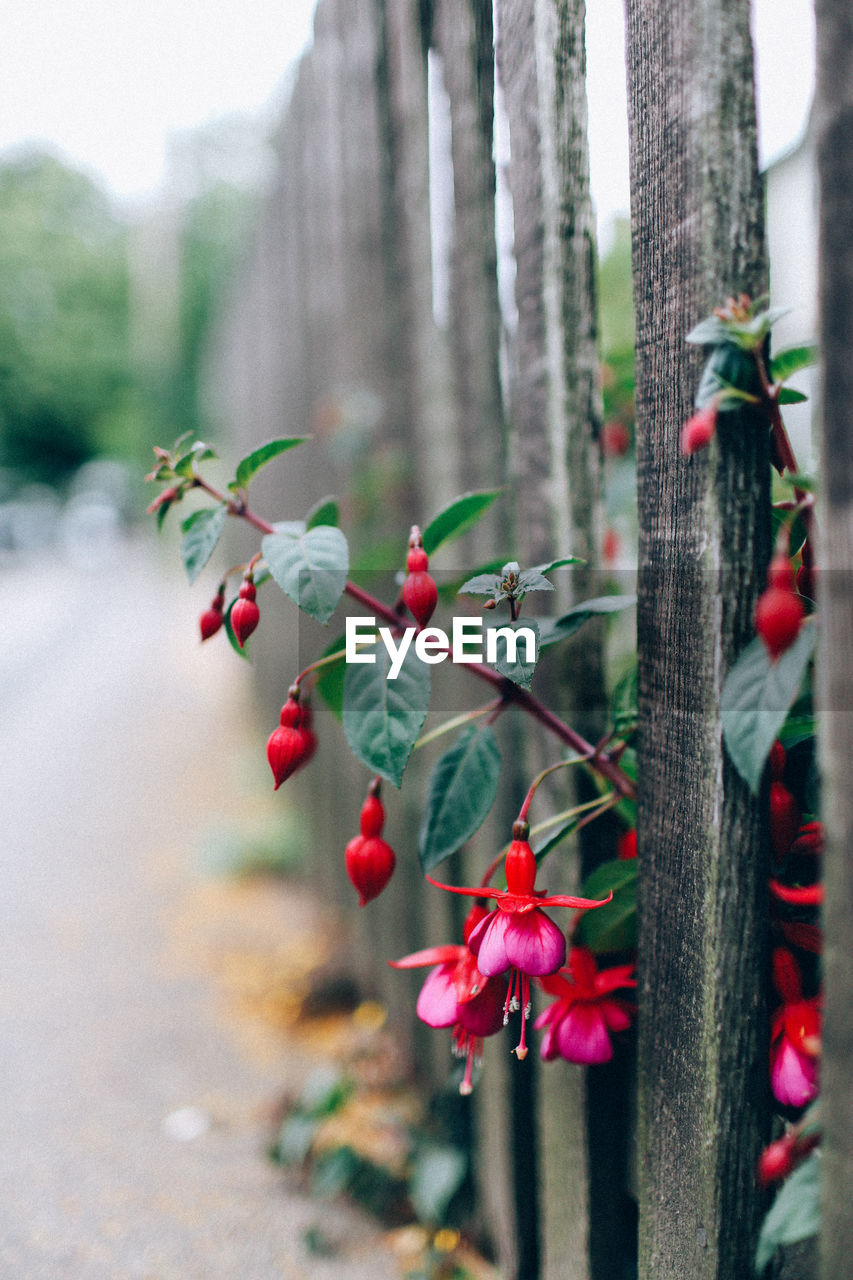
518 935
370 860
580 1022
294 742
794 1036
457 994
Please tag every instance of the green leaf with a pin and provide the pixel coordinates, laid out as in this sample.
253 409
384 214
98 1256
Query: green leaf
296 1138
202 531
438 1173
614 927
457 517
519 670
185 466
482 584
229 631
252 463
756 698
162 511
311 568
708 332
790 361
789 396
551 630
557 836
625 713
729 375
801 481
382 718
326 511
795 1213
462 789
533 580
557 564
330 679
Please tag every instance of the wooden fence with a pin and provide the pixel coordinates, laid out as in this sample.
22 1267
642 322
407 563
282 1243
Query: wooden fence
376 310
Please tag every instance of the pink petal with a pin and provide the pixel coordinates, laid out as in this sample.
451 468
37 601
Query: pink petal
615 1014
793 1076
582 1035
484 1014
437 1004
549 1048
534 944
488 942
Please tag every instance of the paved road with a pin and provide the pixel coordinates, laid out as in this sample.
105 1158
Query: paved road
120 740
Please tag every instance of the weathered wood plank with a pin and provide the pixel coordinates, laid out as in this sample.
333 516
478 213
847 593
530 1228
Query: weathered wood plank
834 116
697 229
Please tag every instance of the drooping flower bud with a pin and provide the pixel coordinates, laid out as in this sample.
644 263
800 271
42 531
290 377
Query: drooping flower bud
370 860
245 614
293 743
370 863
784 819
420 594
211 620
779 612
776 1161
697 432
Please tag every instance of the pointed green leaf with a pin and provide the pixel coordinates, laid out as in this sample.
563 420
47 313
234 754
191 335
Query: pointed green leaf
729 376
311 568
326 511
458 516
462 790
202 531
533 580
382 718
708 332
252 463
756 698
518 669
788 395
614 927
482 584
557 836
625 714
790 361
185 466
550 565
795 1213
551 630
330 679
229 631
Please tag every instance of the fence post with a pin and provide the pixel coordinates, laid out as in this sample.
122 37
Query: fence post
834 108
697 235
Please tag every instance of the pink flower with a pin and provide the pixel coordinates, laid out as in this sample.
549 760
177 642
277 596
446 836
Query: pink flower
518 935
794 1036
457 994
580 1022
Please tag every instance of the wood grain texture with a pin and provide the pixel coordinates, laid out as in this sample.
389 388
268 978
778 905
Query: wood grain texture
834 119
697 236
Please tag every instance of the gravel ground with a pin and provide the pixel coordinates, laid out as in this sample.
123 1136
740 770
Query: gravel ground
134 1114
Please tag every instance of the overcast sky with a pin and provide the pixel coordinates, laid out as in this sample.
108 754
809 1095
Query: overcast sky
107 81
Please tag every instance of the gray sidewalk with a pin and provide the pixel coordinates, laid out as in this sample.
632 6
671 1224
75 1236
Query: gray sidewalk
132 1118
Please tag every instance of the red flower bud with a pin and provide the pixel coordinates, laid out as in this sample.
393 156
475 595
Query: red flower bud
420 594
245 614
372 817
615 439
627 847
779 615
776 1161
781 572
211 620
784 819
370 863
293 743
697 431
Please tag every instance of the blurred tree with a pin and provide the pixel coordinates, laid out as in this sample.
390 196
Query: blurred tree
65 377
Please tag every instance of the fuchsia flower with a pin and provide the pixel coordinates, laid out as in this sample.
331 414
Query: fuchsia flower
580 1022
456 994
794 1036
518 935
